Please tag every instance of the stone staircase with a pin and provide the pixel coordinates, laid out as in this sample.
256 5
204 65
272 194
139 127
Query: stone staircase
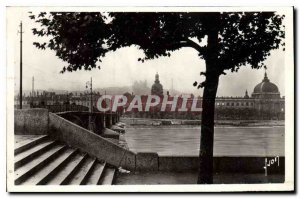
42 161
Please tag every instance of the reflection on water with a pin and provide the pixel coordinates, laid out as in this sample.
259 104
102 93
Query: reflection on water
229 141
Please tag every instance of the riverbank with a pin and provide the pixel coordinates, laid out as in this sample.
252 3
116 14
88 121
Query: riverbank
147 122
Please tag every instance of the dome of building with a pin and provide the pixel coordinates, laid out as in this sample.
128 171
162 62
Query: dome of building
266 86
157 88
266 90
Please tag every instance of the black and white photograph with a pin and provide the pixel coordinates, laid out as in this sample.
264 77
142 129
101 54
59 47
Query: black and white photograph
150 99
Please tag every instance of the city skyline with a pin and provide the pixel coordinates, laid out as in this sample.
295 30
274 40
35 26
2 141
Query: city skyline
123 90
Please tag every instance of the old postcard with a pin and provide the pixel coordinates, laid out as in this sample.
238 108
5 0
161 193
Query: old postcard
150 99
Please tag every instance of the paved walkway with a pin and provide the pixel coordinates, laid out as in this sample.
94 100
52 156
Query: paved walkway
191 178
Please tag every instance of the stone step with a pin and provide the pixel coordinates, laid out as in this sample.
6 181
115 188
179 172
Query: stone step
24 172
27 155
49 171
66 172
96 173
43 174
27 144
108 176
41 161
80 173
89 172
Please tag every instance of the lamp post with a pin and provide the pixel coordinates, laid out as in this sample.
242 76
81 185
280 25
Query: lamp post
90 85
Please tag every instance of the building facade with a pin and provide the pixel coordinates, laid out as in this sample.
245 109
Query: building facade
265 103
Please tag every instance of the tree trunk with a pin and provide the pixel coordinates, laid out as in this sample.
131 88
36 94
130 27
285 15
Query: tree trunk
207 131
205 175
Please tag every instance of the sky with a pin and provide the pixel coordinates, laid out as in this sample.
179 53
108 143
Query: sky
121 68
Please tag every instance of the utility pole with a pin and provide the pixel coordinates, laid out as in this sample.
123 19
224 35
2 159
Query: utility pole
21 32
32 91
91 87
111 117
131 109
32 85
105 101
104 112
67 102
172 87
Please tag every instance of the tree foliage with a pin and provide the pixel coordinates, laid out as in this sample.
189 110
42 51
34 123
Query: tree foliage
82 39
77 38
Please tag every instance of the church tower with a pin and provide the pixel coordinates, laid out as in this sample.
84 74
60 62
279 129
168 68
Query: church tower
157 88
246 95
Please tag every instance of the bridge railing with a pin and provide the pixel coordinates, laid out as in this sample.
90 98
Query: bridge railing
63 107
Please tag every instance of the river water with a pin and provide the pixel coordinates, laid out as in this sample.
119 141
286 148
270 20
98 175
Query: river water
229 141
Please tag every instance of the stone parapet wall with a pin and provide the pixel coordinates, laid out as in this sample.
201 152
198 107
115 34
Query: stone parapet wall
79 137
31 121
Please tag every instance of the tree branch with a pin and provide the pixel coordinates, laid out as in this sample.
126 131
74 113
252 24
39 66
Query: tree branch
195 46
190 43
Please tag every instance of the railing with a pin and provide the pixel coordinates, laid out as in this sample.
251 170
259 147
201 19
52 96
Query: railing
63 108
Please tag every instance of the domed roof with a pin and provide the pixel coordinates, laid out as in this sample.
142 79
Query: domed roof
266 86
